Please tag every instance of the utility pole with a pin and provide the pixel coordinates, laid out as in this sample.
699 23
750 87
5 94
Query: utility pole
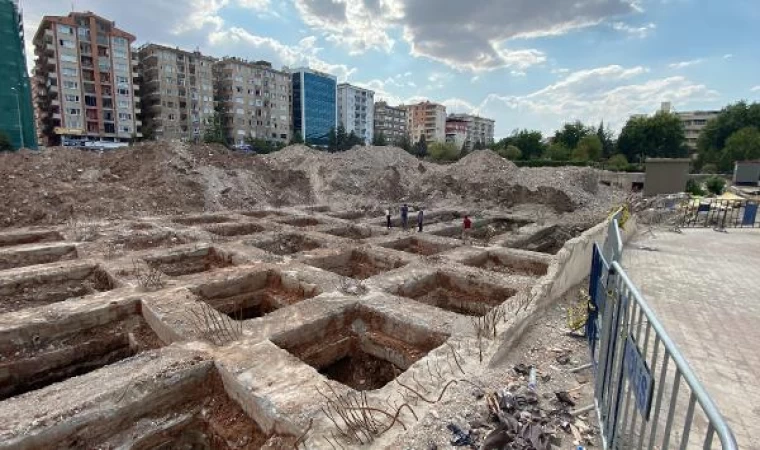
18 113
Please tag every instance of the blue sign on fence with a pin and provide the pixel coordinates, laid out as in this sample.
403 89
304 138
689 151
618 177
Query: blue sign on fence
639 377
750 213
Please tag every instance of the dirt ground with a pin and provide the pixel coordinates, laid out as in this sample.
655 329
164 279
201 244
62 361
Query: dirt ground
60 184
546 346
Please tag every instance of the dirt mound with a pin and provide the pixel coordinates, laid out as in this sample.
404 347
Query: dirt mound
53 185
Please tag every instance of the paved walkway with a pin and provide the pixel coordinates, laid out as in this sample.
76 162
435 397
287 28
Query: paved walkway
705 287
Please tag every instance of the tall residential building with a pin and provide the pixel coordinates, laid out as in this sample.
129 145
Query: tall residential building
85 79
479 129
391 121
427 119
16 112
456 132
254 99
315 105
177 92
693 122
356 110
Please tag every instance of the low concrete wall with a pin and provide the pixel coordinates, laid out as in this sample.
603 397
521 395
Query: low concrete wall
570 266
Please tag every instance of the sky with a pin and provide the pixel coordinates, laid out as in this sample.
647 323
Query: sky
524 63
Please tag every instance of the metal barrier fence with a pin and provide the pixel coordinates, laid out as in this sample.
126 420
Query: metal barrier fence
646 394
719 213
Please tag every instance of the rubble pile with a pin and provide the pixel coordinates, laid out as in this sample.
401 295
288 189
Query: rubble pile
56 184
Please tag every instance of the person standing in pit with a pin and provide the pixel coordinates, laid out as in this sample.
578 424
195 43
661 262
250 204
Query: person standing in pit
388 218
420 219
404 216
466 229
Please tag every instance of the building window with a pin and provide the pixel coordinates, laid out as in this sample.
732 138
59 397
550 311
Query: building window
65 43
70 84
122 91
65 29
125 129
122 67
69 72
122 80
123 104
119 53
125 116
73 111
72 98
69 58
119 42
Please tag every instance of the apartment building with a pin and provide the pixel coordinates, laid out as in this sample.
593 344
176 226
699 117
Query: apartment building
391 122
254 99
315 105
356 111
16 111
177 92
479 129
456 132
84 80
693 122
428 119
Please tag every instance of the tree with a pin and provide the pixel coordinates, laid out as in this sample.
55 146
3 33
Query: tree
262 146
5 142
693 188
512 153
530 143
421 148
571 134
661 135
715 185
605 137
332 141
580 154
296 138
592 146
731 119
379 139
342 138
440 151
214 130
404 143
741 146
557 151
617 161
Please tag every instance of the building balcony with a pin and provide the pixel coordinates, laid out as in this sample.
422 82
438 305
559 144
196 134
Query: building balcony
56 116
135 87
49 49
137 110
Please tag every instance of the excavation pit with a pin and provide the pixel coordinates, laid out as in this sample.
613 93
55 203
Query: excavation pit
286 244
262 214
508 264
142 241
52 287
459 295
357 264
354 215
29 237
190 262
234 229
201 220
549 240
255 295
44 254
418 246
53 359
360 348
353 232
301 222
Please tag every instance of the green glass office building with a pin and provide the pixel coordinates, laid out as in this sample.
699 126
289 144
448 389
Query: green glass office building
16 112
315 105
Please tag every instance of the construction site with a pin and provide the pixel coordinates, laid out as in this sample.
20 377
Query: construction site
175 296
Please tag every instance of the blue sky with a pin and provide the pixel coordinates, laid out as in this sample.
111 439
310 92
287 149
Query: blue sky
524 63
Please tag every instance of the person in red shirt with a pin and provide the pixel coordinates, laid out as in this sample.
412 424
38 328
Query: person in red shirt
467 228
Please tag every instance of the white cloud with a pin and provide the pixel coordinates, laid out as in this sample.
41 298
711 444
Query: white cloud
605 93
458 105
239 42
683 64
639 32
728 56
755 89
459 34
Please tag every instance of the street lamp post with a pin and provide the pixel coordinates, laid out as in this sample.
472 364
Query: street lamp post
18 113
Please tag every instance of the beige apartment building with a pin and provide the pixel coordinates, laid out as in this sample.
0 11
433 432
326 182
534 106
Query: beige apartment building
479 129
254 99
177 90
391 122
84 80
428 119
693 122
